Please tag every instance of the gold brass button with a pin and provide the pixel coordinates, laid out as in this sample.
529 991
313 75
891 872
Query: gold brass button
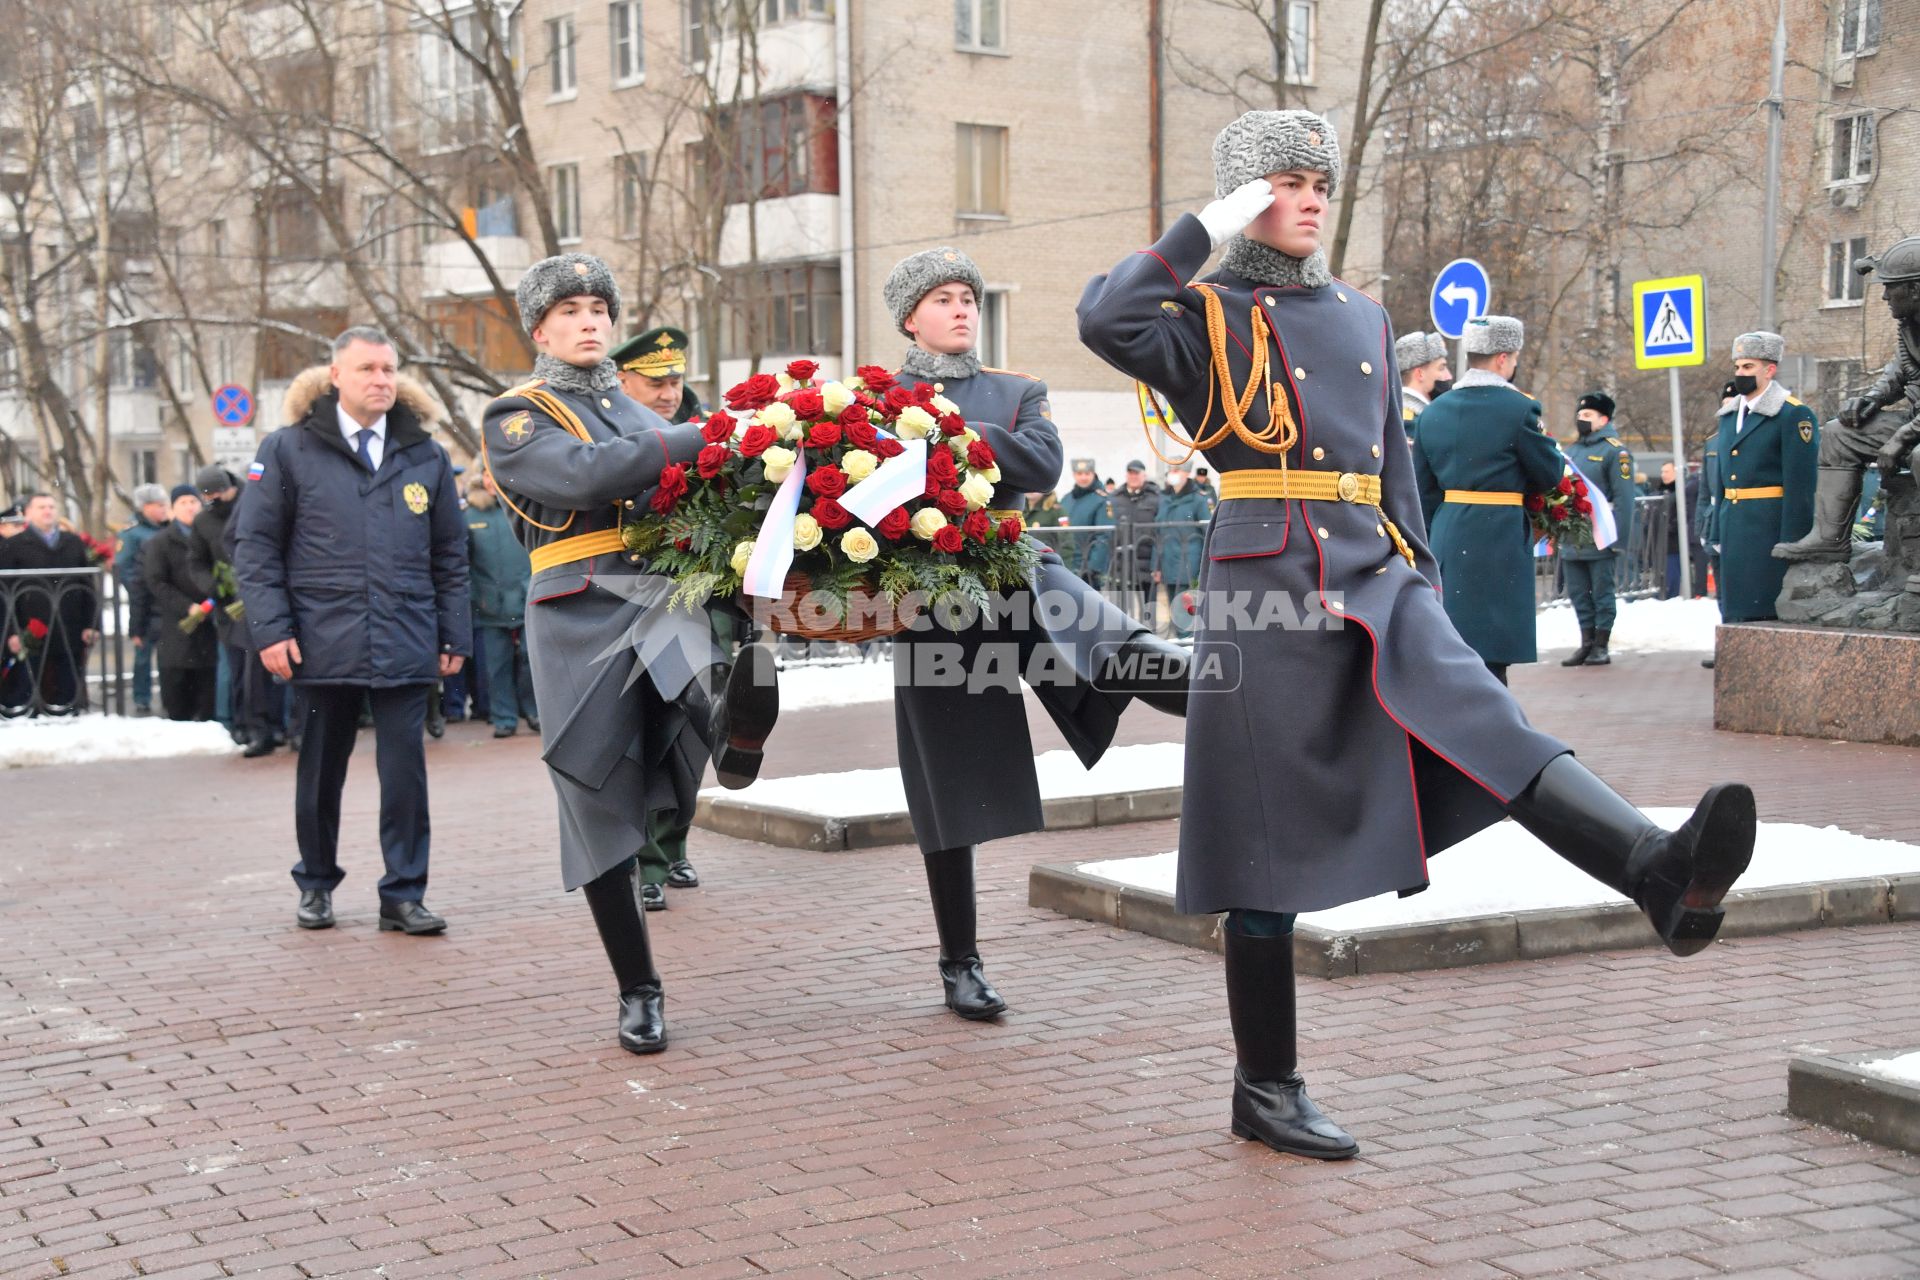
1269 299
1340 295
605 403
1318 453
1321 532
1379 531
1298 372
1348 487
629 504
1383 568
1376 451
1335 605
1736 453
1366 367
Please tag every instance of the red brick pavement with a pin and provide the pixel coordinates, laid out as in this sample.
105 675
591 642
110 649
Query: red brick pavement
191 1087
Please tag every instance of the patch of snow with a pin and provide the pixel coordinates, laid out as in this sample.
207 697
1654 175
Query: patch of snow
805 688
1904 1069
91 738
1643 626
1503 869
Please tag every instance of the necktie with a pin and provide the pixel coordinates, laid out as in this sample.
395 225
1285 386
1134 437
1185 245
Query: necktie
366 456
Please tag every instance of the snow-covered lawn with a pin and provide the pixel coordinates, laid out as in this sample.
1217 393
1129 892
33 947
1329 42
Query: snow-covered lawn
1643 626
807 687
92 738
1504 869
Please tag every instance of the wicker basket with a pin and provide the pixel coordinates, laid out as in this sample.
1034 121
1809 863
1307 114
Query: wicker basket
872 617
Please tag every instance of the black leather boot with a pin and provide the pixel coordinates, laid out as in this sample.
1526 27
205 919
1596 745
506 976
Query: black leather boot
1270 1099
950 885
1598 656
743 716
1153 670
1579 655
436 713
1836 495
1677 877
615 900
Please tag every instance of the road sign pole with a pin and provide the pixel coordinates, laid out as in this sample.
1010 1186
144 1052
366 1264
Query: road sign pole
1680 484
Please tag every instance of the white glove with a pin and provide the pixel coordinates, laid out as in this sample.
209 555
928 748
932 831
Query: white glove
1234 212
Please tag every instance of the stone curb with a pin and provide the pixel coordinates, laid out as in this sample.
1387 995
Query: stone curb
1489 939
1833 1091
801 829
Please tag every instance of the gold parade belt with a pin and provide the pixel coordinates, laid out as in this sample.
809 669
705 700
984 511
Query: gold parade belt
1021 516
1302 486
1485 498
1764 491
583 546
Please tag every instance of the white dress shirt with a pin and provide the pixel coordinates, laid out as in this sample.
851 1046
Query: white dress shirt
376 447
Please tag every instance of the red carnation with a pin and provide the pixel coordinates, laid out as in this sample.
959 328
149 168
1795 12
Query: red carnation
831 514
893 525
757 392
875 378
950 501
896 399
952 424
887 447
802 370
948 540
36 628
978 526
980 455
757 440
806 404
942 467
823 435
717 429
828 481
1009 530
711 459
673 486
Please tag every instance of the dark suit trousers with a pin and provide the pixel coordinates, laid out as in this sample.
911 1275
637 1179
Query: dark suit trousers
331 722
258 696
186 693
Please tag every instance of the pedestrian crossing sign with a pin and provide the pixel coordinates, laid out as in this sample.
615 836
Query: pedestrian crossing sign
1670 322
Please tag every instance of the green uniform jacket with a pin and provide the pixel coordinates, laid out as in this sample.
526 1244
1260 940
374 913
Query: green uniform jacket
1178 552
499 568
1087 553
1485 438
1608 466
1779 448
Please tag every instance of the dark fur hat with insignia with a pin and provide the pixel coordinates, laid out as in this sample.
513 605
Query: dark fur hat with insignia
566 275
913 278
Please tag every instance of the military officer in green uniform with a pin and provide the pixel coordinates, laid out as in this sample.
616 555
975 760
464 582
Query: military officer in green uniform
1593 572
1769 445
653 373
1422 358
1476 456
1087 506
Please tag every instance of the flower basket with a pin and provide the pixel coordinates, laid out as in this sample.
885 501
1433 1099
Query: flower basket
863 613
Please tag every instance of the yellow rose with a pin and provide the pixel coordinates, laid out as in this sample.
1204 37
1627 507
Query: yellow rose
945 405
858 464
806 532
777 415
928 522
858 545
914 422
742 552
778 462
836 397
977 490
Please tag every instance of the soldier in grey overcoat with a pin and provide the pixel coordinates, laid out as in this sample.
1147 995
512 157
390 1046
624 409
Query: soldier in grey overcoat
1358 734
621 681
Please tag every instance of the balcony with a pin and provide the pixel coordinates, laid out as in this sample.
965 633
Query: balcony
797 54
450 269
802 226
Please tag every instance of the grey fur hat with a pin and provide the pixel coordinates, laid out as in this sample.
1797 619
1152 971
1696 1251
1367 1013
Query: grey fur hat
1494 335
565 275
1414 349
145 493
914 277
1760 345
1264 142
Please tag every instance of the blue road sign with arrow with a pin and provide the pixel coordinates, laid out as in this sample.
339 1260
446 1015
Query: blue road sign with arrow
1461 292
233 406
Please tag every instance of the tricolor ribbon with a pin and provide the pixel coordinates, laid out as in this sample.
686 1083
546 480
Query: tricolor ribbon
898 480
1605 531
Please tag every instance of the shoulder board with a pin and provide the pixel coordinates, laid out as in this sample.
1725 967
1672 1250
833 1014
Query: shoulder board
1535 399
1407 414
1357 289
522 389
1792 401
1015 372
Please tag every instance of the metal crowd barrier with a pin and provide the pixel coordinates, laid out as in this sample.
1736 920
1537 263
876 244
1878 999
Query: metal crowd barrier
47 668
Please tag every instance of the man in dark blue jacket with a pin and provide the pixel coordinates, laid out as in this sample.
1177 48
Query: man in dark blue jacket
150 508
351 554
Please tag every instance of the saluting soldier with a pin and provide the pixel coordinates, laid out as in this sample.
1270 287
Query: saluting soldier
574 459
1769 445
653 373
1424 375
1593 572
1342 755
1477 455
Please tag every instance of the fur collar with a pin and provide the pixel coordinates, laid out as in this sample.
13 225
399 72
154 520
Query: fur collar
1264 265
1771 401
562 376
312 384
935 365
1480 378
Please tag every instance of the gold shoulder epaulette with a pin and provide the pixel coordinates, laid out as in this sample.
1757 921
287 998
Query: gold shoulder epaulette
1791 400
1535 399
522 389
1015 372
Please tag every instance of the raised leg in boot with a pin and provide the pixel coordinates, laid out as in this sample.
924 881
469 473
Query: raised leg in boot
615 900
1270 1099
1677 877
1836 493
950 885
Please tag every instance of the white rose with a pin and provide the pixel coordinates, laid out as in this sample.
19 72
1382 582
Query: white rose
858 464
777 415
741 554
836 397
778 462
992 473
806 532
945 405
914 422
785 381
859 546
977 490
928 522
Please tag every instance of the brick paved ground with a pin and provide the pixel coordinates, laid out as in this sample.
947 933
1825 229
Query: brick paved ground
190 1087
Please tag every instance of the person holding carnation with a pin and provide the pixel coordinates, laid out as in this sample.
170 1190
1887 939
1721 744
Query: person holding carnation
1333 758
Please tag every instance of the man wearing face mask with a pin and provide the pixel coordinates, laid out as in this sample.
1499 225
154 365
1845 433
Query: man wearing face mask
1424 375
1593 572
1768 446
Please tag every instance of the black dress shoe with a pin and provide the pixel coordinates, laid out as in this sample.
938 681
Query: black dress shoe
1707 663
409 917
505 730
1280 1114
259 747
653 897
681 875
238 735
969 994
533 723
743 716
316 909
643 1021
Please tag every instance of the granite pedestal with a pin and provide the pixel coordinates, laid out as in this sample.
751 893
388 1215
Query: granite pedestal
1817 682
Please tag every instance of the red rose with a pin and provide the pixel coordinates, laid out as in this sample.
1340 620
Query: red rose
802 370
948 540
757 392
854 413
1584 507
980 455
1009 531
673 486
887 447
875 378
757 440
1556 513
806 404
830 514
893 525
860 433
1536 502
923 394
685 544
942 467
1565 485
950 501
978 526
932 489
828 481
718 429
823 435
896 399
711 459
952 424
36 628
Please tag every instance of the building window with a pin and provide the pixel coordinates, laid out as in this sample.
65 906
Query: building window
9 365
774 12
373 227
782 311
563 80
176 146
1859 27
781 147
1844 284
292 225
696 30
993 329
629 57
1296 33
182 362
143 467
980 171
370 96
979 26
566 200
453 101
1852 149
130 366
630 184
